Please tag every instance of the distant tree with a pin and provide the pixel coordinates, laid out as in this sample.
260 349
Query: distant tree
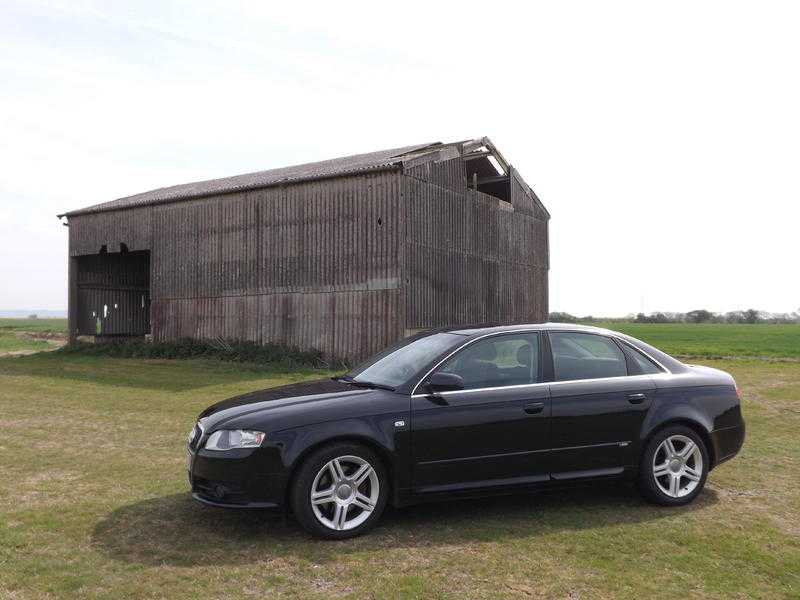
657 317
734 316
676 317
751 316
562 317
699 316
779 318
34 316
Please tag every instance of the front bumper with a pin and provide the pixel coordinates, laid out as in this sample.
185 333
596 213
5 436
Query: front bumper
240 478
208 502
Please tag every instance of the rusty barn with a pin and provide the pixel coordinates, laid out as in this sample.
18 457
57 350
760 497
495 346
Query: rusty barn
344 255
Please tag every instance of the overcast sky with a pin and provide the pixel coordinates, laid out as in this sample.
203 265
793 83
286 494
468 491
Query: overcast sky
664 138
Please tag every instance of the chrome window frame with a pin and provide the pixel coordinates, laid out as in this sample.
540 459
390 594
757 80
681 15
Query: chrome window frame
646 355
616 339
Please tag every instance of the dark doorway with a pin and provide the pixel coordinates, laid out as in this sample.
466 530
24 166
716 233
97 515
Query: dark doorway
114 294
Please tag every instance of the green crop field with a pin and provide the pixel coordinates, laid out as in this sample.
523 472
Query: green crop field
94 502
714 341
21 335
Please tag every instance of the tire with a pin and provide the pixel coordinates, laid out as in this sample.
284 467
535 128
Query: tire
673 478
346 479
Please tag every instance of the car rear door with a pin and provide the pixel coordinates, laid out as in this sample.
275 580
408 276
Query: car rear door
599 401
494 432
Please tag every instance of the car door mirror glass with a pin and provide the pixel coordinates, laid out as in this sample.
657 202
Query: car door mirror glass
444 382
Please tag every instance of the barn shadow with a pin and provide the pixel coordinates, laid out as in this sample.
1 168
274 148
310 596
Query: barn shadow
177 531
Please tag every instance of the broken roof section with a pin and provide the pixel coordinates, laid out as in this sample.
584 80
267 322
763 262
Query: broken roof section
491 164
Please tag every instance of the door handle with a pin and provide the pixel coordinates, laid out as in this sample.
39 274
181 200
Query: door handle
534 408
636 398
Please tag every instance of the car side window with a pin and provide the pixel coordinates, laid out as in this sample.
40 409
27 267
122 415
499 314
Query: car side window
585 356
498 361
646 366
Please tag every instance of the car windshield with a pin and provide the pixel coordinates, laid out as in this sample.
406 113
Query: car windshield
397 364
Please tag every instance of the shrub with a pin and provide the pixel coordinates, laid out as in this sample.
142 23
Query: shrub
232 350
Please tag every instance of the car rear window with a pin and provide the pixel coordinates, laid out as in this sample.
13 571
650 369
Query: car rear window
585 356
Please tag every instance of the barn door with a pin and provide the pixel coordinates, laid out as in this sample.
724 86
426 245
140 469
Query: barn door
114 294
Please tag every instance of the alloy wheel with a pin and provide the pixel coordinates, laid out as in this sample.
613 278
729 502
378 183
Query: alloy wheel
345 492
677 466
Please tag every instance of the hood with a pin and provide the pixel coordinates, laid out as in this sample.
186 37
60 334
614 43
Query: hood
308 392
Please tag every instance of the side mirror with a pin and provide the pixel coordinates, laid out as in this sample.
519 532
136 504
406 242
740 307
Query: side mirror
444 382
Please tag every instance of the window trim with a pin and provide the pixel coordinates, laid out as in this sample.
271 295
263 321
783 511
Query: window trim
626 347
546 366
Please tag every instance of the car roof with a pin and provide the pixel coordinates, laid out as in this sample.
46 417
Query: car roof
471 330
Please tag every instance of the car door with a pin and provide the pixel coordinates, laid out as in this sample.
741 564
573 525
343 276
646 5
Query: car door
492 432
600 398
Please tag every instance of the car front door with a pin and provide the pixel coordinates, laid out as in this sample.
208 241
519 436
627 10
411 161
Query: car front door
495 431
600 399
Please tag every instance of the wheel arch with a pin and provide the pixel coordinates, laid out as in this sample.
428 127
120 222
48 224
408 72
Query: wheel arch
695 425
383 453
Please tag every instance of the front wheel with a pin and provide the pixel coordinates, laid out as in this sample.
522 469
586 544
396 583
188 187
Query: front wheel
674 466
340 491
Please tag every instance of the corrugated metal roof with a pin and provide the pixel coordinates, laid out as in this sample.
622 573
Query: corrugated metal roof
327 168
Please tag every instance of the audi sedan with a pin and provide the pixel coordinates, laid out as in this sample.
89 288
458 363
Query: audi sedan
459 412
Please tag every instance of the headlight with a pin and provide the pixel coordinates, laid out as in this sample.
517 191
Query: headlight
226 439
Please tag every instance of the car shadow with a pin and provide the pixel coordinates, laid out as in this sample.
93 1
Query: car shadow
175 530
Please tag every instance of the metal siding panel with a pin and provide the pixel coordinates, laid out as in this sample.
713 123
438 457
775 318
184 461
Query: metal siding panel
469 259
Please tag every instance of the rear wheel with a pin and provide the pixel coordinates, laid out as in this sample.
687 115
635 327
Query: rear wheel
340 491
674 466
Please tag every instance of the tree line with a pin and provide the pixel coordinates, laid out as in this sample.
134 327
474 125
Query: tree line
701 315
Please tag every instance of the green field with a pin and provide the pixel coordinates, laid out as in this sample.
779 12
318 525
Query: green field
716 341
94 504
19 335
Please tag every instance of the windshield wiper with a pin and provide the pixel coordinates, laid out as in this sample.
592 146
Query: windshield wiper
364 384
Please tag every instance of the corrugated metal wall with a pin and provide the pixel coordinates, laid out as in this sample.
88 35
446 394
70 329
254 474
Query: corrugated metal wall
89 233
313 265
470 257
342 265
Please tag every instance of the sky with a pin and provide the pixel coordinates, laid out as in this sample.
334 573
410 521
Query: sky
664 138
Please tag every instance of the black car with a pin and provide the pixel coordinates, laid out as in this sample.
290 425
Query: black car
460 412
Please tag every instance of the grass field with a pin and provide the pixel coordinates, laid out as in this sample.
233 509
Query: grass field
716 341
19 335
94 504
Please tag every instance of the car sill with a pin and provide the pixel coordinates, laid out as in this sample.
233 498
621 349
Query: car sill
567 475
471 485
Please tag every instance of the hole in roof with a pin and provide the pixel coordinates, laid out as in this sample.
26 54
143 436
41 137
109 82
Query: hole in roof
486 174
496 165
